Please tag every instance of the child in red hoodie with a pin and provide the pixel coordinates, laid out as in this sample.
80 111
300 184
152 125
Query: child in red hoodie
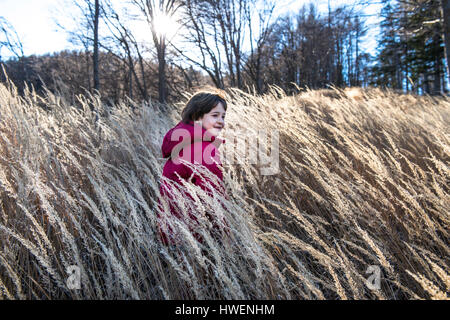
191 143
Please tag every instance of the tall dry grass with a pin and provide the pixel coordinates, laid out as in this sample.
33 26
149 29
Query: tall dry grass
363 180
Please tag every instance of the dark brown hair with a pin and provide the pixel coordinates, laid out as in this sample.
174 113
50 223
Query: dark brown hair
200 104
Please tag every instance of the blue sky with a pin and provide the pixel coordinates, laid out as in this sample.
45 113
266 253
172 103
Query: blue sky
372 11
34 21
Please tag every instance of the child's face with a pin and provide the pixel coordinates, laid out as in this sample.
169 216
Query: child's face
214 121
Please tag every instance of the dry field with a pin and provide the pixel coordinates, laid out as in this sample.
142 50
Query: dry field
363 181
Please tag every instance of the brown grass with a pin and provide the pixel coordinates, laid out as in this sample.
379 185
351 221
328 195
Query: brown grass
364 180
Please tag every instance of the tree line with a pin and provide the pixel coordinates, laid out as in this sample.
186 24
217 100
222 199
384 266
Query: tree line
239 43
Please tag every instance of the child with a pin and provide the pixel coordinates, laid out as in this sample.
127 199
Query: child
192 142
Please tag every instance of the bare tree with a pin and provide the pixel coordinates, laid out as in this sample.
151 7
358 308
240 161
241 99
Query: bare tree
217 31
205 38
9 39
152 9
86 34
91 12
121 35
96 16
231 14
261 15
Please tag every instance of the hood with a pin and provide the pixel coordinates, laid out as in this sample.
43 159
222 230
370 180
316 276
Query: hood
187 133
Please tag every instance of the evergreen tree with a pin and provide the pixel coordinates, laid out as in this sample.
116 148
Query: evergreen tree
411 55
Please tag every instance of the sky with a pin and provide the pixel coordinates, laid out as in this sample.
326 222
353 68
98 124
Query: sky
34 22
372 11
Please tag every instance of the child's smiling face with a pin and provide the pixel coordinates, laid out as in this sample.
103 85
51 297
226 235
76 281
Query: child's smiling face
214 121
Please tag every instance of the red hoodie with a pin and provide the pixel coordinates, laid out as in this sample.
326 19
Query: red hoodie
191 143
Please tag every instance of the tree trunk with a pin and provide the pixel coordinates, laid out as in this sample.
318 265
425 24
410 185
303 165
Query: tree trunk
426 83
130 83
446 15
437 77
398 72
95 57
162 92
